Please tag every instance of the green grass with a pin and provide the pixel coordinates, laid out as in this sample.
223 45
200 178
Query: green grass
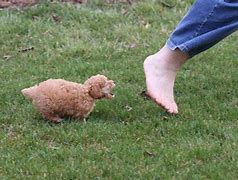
128 137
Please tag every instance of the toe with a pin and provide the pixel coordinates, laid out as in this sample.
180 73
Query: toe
175 108
164 104
170 107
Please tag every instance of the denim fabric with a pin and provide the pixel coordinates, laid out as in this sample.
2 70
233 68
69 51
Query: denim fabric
205 24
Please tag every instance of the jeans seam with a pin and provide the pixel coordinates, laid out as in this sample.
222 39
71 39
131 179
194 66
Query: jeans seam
205 20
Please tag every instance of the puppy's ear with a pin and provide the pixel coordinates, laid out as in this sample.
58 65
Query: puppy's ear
95 91
95 85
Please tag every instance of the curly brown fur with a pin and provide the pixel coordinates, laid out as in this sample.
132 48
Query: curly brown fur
56 99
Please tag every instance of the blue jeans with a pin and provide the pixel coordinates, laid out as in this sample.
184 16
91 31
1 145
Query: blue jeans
205 24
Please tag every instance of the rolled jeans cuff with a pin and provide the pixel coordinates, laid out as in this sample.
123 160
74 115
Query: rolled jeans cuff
205 24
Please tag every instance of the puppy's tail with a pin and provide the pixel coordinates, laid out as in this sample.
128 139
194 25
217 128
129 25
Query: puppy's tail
29 92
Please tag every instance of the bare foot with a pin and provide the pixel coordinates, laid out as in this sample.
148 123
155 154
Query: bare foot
160 72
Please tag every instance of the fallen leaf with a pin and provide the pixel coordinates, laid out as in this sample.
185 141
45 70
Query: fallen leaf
76 1
26 49
128 108
132 45
168 4
35 18
56 18
7 57
150 154
124 12
147 25
130 2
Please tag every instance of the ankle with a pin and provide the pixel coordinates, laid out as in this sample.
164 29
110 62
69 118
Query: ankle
172 59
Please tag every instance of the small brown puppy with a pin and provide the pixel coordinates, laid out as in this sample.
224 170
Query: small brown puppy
56 99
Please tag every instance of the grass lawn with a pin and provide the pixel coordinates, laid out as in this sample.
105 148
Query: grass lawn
128 137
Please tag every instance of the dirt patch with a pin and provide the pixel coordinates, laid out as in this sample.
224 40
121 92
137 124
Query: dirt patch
16 3
25 3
